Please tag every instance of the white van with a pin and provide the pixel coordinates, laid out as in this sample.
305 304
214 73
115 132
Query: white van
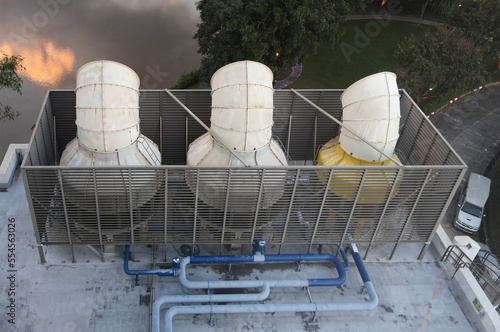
471 203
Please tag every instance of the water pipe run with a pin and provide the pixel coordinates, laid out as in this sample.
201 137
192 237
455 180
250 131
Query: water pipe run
265 285
245 284
253 308
218 284
159 272
248 308
178 264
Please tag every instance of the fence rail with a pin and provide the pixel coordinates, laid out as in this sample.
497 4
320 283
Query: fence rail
485 268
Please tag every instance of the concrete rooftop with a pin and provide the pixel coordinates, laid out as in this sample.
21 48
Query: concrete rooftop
91 295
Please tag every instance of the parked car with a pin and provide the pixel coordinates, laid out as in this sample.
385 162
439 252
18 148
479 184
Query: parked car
471 203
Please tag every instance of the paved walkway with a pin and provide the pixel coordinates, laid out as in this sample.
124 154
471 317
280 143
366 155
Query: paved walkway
393 18
472 126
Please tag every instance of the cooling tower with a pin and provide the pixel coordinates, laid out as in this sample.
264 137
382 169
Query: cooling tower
242 119
108 134
371 110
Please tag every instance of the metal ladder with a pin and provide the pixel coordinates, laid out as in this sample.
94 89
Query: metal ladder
152 156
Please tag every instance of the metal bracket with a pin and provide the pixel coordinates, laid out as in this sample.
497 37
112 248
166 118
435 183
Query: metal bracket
313 319
298 267
211 313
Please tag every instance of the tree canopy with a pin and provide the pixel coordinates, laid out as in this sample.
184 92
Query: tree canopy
480 20
274 32
438 61
9 79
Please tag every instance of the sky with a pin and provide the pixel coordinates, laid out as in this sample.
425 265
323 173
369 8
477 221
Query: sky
56 37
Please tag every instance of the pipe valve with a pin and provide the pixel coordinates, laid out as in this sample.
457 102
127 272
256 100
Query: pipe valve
176 265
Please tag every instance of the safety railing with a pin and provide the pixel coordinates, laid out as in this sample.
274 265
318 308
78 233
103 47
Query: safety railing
485 268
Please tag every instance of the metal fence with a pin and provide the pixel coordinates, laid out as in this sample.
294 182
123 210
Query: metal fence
485 267
297 204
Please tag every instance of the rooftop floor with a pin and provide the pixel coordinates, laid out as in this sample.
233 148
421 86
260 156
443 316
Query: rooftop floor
91 295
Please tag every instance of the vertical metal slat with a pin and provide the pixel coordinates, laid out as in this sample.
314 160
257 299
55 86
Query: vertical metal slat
320 210
130 206
290 205
196 198
224 219
66 216
411 213
98 214
352 210
258 205
379 224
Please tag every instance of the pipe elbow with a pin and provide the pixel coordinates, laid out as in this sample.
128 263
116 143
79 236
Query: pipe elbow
346 264
372 294
169 318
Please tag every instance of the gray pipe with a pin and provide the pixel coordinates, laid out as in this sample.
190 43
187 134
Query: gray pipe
260 308
243 284
262 259
249 308
255 297
218 284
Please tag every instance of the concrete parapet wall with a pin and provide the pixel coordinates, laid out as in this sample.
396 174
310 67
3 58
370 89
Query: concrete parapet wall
13 157
468 290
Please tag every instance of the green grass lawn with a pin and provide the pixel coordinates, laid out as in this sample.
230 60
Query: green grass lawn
331 69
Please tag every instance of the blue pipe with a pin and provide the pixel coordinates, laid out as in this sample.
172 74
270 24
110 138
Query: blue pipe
265 258
359 264
237 284
264 284
222 259
296 307
347 265
237 259
342 252
159 272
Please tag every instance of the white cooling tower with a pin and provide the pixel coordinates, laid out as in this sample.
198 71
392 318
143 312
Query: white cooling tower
108 134
242 119
371 110
242 105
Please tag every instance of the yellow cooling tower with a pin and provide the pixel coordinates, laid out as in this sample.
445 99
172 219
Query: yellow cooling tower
332 154
377 184
371 112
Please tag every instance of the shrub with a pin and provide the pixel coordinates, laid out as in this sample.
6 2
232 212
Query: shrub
187 80
480 20
442 59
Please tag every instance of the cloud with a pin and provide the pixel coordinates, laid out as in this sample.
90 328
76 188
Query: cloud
45 63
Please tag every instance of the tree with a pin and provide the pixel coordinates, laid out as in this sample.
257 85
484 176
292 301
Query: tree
480 20
442 60
9 79
274 32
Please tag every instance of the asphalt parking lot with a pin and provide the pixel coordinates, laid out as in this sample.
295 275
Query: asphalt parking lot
472 126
